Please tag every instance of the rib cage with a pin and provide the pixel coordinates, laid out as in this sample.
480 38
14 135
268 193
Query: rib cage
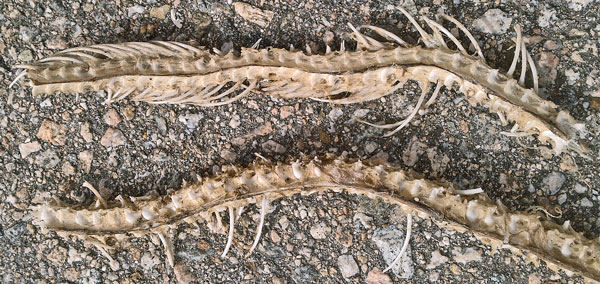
178 73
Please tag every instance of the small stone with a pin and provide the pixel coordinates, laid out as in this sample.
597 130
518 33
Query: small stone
25 55
112 117
46 103
161 124
133 10
191 120
52 132
553 182
228 155
335 113
469 255
113 138
85 158
253 14
376 276
572 76
27 148
347 266
494 21
284 223
56 43
595 103
547 16
436 260
275 237
578 5
371 147
304 274
160 12
580 188
286 111
586 202
547 67
320 231
360 113
272 146
13 233
562 198
47 159
85 133
67 169
148 262
235 121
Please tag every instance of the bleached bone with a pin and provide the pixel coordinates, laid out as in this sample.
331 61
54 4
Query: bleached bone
475 211
513 65
468 33
171 72
230 235
261 223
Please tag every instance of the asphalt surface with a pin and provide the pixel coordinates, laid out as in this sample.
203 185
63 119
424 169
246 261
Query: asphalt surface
135 149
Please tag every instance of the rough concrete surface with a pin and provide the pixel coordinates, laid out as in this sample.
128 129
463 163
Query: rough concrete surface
50 145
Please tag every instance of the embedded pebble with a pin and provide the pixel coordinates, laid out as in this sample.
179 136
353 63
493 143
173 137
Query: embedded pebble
494 21
586 202
335 113
347 266
27 148
191 120
85 159
466 256
272 146
436 259
161 123
85 132
133 10
47 159
580 188
553 182
67 169
112 138
572 76
370 147
320 231
26 55
160 12
235 121
376 276
52 132
112 117
578 5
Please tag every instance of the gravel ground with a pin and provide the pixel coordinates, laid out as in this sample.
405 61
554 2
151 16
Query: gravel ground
49 145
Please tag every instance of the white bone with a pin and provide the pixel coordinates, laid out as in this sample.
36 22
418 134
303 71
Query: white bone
513 65
80 219
469 191
231 228
297 170
149 214
565 249
176 201
263 213
131 217
471 213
